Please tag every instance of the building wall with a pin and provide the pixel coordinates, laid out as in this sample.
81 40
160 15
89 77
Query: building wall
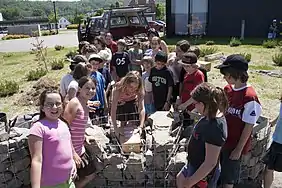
1 17
22 29
257 14
224 17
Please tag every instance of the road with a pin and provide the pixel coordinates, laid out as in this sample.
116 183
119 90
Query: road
66 39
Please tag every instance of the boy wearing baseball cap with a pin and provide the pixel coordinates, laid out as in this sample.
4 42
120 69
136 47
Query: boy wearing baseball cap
243 112
95 60
192 78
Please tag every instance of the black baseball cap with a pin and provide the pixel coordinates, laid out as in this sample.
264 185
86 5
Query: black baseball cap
235 61
161 56
189 58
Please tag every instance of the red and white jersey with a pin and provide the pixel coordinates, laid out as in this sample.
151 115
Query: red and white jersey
244 107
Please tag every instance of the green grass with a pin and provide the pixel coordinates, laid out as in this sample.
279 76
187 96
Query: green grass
16 66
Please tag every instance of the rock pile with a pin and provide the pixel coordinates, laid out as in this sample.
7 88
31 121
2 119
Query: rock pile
15 159
252 166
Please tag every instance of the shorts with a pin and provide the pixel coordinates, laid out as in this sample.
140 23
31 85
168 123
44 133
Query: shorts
273 158
87 167
230 169
128 111
67 184
149 109
189 170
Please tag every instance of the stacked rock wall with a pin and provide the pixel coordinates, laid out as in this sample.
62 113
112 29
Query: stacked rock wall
156 166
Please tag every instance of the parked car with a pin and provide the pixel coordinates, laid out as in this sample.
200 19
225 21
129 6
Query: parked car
120 22
157 25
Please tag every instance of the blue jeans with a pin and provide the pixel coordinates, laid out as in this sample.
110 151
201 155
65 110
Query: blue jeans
189 170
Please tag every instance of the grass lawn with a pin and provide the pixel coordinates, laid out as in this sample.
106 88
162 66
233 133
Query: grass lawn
14 66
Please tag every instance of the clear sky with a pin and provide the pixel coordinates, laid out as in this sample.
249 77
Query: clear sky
55 0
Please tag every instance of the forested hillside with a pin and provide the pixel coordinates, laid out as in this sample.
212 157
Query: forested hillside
18 9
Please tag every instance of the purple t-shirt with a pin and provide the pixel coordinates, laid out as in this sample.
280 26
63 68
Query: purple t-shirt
57 155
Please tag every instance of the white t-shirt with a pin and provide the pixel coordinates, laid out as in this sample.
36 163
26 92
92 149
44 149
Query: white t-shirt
73 85
64 84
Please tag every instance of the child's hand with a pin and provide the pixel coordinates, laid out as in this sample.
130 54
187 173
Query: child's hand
77 160
166 106
182 107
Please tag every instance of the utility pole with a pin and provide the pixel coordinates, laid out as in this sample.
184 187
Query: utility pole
55 13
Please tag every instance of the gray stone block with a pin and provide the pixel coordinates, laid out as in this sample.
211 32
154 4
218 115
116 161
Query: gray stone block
17 154
24 176
3 135
13 183
21 165
149 158
4 147
6 176
134 168
113 172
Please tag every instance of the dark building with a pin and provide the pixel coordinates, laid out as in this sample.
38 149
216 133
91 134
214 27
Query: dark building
221 18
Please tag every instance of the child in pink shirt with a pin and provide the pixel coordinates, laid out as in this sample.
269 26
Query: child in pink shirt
52 163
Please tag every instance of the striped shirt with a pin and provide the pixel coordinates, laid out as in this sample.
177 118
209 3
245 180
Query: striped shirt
77 130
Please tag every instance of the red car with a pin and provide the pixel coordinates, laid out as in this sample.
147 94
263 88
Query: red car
157 25
121 22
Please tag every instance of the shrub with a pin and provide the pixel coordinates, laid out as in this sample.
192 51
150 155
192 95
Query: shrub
71 54
247 56
235 42
277 59
6 55
269 43
57 64
207 51
8 88
59 47
48 32
72 26
210 42
11 37
36 74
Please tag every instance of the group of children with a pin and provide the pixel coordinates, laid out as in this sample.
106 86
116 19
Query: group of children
105 79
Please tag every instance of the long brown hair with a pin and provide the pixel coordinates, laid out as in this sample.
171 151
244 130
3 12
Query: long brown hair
213 98
131 77
42 99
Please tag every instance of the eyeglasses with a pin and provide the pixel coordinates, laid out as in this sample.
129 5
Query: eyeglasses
51 105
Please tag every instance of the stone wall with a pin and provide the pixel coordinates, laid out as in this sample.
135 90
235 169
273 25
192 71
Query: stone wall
156 166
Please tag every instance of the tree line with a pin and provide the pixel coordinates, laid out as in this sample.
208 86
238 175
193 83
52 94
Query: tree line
73 11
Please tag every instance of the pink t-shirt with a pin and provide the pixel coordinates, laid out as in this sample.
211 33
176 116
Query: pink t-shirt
57 154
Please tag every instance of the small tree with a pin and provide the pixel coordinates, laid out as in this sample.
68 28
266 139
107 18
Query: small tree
40 52
160 11
117 4
99 12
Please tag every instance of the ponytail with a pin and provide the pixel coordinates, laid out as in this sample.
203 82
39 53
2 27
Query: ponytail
213 98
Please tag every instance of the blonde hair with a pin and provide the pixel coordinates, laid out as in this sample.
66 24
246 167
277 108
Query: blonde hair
157 39
131 77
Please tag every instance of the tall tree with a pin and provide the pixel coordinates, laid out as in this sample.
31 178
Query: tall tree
160 11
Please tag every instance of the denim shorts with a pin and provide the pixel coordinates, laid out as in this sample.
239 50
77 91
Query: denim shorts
149 109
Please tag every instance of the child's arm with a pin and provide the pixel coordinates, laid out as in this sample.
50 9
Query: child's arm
274 121
211 160
184 105
167 103
106 107
115 94
35 147
141 109
247 131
